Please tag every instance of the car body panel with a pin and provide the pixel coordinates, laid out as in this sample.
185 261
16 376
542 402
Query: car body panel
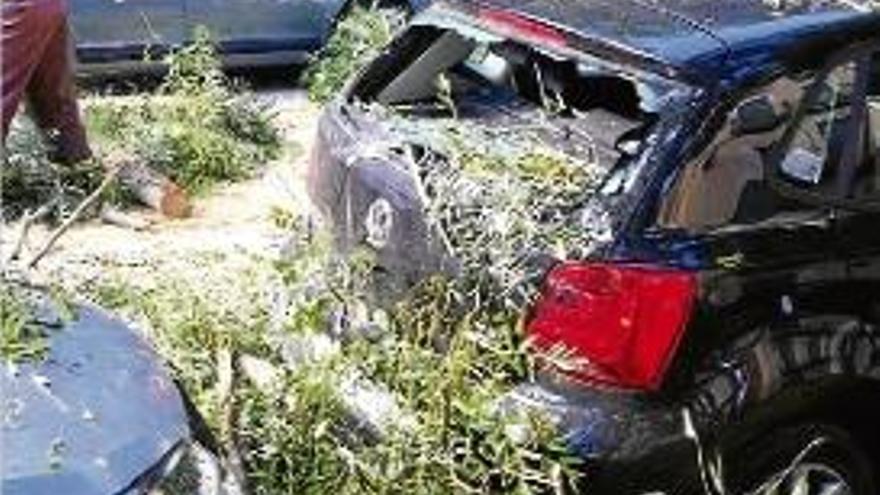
115 36
112 30
627 23
629 444
696 34
98 412
246 26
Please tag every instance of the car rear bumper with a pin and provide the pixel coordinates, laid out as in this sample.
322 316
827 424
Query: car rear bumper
630 445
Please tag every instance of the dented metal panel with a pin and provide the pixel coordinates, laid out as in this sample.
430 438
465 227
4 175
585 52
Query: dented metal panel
95 414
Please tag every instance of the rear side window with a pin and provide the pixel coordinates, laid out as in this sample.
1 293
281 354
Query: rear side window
802 143
726 183
833 151
446 70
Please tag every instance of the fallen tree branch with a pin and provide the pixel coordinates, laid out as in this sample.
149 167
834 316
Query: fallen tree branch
227 380
87 203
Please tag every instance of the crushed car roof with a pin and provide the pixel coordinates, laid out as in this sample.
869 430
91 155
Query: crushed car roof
705 36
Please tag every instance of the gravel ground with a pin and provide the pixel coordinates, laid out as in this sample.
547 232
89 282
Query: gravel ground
229 228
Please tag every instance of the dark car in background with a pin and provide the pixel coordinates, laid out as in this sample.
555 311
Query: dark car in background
730 314
117 35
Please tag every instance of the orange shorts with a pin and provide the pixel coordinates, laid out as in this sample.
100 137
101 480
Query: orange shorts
38 64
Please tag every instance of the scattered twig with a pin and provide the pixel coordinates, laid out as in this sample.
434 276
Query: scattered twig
29 219
260 372
87 203
232 462
114 216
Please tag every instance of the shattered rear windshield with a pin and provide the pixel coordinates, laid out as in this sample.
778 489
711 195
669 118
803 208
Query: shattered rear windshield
446 72
509 142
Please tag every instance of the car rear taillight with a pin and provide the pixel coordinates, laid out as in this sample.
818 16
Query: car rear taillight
622 323
516 25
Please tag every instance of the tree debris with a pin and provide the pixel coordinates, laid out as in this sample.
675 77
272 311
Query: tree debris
26 223
151 187
21 337
227 381
85 205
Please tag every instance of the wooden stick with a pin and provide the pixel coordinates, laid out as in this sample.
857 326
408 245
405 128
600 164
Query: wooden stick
77 213
29 219
227 380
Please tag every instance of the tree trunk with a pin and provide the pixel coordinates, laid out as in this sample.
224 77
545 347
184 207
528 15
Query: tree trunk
152 188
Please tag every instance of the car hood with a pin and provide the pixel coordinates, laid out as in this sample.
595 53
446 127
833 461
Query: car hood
96 413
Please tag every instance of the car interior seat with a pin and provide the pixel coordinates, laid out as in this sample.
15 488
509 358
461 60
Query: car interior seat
726 182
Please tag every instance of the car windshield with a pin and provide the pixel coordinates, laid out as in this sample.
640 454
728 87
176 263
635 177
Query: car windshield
448 66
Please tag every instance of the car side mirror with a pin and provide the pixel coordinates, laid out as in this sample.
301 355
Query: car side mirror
755 116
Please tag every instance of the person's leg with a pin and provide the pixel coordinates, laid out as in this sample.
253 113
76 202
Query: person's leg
52 96
27 26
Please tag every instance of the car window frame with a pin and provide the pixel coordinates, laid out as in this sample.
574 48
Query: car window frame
780 150
715 121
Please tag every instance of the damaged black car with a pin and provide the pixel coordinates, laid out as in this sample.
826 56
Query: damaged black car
711 255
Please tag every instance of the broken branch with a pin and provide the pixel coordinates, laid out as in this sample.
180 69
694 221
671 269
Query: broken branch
232 461
29 219
87 203
154 189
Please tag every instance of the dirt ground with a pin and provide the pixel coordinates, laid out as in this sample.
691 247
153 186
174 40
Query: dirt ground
229 227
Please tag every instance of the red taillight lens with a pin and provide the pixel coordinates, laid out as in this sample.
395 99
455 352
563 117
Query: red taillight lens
515 25
624 322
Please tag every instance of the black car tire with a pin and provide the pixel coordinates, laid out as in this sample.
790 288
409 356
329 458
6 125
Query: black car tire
830 450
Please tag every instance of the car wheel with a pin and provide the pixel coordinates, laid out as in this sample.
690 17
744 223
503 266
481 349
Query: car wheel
806 460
